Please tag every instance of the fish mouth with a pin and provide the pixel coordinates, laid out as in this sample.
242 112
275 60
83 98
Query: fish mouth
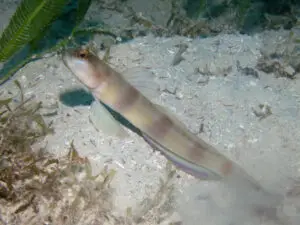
66 56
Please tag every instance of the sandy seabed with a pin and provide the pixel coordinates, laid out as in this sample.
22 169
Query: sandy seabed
221 103
224 102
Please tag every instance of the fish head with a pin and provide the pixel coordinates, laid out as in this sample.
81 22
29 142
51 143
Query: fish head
83 64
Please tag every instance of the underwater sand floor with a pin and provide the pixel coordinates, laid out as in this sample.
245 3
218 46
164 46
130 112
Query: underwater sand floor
222 105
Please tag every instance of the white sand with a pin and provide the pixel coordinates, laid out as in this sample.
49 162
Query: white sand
268 149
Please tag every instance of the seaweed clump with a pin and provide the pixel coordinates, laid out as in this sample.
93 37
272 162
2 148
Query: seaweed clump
35 186
281 53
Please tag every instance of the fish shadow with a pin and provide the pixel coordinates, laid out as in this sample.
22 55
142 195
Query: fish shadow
80 97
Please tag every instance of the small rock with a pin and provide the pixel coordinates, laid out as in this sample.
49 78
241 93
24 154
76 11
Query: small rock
289 70
179 95
202 79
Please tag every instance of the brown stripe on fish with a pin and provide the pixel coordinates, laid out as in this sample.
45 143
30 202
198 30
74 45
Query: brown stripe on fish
196 152
226 168
126 99
160 127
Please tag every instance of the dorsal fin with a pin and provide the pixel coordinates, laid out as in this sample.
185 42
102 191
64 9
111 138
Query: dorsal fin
143 80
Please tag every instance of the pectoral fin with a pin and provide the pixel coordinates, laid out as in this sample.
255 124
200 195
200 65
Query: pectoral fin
104 121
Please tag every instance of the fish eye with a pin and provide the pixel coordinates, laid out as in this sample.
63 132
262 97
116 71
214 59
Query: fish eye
82 53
